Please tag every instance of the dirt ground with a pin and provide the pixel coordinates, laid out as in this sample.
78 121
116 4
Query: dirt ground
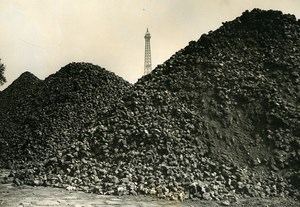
29 196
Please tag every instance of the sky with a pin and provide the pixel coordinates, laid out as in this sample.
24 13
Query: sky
41 36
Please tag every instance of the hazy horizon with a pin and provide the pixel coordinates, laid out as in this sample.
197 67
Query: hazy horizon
41 36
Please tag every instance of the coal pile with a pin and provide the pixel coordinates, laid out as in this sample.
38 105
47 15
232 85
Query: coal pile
55 110
219 120
19 93
22 88
14 101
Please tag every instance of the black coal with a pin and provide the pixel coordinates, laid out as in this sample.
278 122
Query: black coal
219 120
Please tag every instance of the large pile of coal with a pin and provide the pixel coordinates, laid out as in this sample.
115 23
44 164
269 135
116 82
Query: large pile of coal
55 110
218 120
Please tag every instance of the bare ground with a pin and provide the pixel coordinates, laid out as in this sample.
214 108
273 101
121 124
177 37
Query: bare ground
29 196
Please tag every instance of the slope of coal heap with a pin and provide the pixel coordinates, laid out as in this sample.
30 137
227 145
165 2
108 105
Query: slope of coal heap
16 96
218 120
61 106
243 79
21 89
14 101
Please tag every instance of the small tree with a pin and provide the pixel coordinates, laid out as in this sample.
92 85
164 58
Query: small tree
2 78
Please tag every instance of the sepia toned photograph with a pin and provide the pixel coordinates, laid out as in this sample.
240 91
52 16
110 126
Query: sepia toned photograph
149 103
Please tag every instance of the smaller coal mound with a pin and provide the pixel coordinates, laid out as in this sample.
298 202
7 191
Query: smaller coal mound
56 110
15 101
20 90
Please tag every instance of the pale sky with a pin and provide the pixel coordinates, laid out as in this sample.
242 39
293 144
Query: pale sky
41 36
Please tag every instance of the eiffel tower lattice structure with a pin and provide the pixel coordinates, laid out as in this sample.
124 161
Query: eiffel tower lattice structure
147 64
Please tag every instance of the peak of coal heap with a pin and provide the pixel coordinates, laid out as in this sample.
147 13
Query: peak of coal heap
258 34
19 91
26 79
82 70
28 76
80 80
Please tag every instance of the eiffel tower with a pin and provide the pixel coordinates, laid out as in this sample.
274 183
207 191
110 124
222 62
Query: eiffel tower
147 64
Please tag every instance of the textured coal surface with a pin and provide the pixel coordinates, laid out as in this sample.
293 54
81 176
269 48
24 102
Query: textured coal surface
219 120
41 116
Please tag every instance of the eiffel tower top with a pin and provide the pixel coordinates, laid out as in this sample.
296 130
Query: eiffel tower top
147 35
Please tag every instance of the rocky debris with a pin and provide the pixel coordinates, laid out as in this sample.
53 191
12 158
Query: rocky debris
18 94
217 121
52 112
16 101
19 90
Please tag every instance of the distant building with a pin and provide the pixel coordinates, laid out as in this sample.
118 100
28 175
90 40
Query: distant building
147 64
